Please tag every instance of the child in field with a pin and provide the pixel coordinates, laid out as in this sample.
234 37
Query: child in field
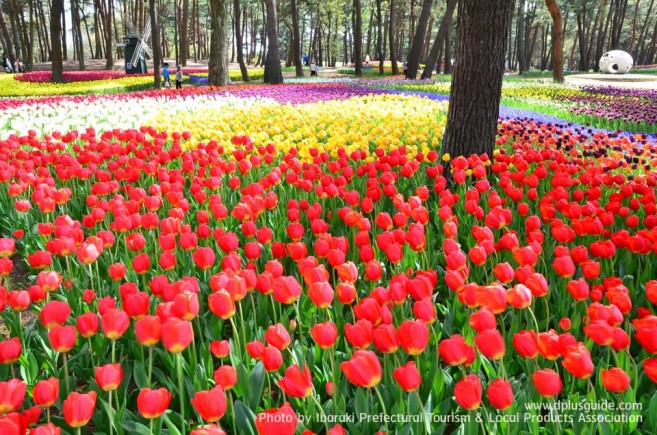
313 68
166 75
179 77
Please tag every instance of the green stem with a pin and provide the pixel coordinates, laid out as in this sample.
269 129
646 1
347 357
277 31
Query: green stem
427 423
232 408
383 405
68 388
109 413
321 409
113 350
181 393
150 366
150 426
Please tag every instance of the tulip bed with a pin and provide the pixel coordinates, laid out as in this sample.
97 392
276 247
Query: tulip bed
281 260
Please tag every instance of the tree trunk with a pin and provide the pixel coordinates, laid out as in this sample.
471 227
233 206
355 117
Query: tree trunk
6 38
273 73
393 47
238 40
77 24
184 33
379 38
557 40
440 39
448 49
418 40
358 39
520 38
109 46
475 94
155 39
296 39
218 64
56 40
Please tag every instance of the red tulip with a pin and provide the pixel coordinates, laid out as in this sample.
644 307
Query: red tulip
577 360
46 429
141 263
211 405
222 304
325 334
272 359
78 408
467 392
115 323
177 334
615 380
407 376
650 369
46 392
49 280
7 247
225 377
547 382
117 271
286 289
321 294
548 345
359 335
526 344
10 350
220 349
279 421
296 382
148 330
277 336
413 336
87 324
54 313
491 343
12 393
482 320
363 369
455 351
500 394
385 338
13 424
210 429
62 338
204 258
109 376
153 403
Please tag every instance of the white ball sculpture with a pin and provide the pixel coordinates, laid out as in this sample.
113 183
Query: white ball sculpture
616 62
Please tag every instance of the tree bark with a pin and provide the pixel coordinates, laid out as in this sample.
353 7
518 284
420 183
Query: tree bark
379 38
477 79
218 64
273 73
393 47
155 39
296 39
557 40
440 39
522 53
418 40
238 40
184 33
109 46
56 10
358 39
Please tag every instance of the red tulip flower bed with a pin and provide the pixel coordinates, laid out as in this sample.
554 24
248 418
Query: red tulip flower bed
179 292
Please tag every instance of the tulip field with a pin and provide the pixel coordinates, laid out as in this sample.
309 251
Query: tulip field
304 259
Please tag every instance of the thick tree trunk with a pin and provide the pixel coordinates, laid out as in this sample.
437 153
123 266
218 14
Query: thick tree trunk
6 38
238 40
379 37
77 24
557 40
218 64
393 47
475 95
56 40
184 33
358 38
296 39
155 40
273 73
440 39
109 46
418 40
522 53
